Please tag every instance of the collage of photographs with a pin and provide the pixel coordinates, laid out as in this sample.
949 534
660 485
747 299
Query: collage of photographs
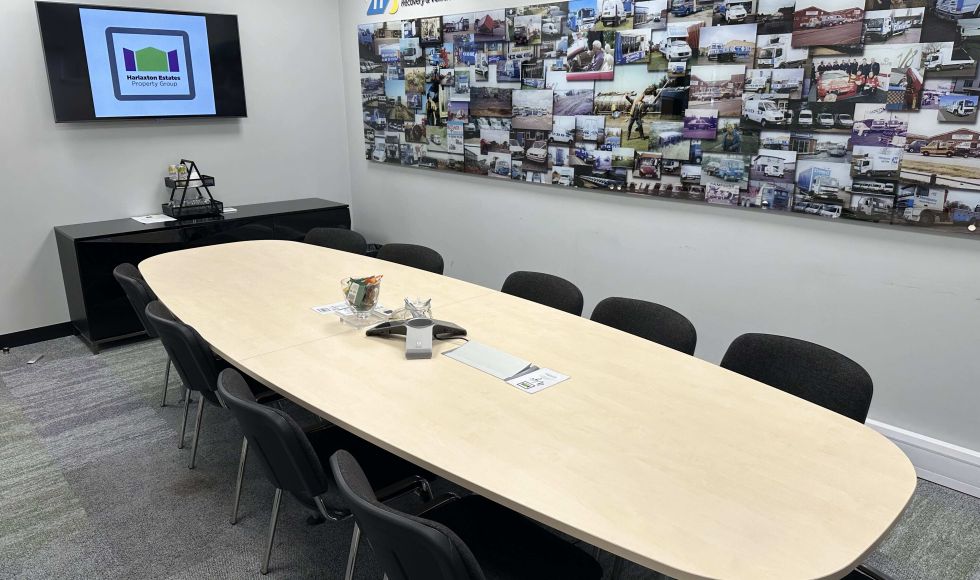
854 110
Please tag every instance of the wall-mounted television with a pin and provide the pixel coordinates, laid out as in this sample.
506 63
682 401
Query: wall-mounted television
117 63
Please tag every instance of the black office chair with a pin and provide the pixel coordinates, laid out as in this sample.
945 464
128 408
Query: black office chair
139 294
545 289
648 320
812 372
194 361
412 255
293 461
337 239
866 572
468 538
807 370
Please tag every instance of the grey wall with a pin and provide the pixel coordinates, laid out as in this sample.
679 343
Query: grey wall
905 306
60 174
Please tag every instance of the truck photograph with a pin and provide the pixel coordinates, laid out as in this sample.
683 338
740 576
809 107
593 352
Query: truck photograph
957 59
613 13
779 54
871 208
884 28
582 19
927 207
961 108
818 182
883 163
956 9
683 7
756 84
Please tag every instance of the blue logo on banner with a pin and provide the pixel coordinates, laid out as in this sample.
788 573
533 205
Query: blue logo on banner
381 6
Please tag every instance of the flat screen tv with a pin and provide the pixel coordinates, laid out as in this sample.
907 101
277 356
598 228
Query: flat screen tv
116 63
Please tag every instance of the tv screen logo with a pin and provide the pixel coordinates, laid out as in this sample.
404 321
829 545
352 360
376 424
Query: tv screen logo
381 6
150 65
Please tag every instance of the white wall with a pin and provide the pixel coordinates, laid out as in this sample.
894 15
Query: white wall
904 305
70 173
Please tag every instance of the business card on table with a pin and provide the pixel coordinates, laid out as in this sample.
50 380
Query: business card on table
537 380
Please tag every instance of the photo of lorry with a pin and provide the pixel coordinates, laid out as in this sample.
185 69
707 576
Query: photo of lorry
780 54
613 13
920 205
876 164
818 182
885 27
582 19
756 84
683 7
956 59
869 208
962 108
956 9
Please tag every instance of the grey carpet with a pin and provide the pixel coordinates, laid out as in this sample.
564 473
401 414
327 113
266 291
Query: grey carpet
92 485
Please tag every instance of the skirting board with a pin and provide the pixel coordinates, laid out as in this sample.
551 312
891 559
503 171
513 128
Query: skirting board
948 465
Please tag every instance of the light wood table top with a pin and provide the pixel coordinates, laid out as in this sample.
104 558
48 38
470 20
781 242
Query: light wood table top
653 455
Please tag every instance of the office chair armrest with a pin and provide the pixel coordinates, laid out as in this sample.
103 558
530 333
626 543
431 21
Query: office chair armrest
437 502
414 483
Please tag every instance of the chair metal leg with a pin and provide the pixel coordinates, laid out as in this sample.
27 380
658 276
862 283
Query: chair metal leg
197 430
166 383
238 483
272 530
183 424
355 540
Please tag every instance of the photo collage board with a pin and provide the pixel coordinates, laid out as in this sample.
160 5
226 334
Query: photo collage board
844 110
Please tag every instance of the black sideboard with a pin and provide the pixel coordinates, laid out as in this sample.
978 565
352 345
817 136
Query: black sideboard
99 309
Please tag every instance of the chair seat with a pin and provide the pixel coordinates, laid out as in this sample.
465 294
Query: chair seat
509 546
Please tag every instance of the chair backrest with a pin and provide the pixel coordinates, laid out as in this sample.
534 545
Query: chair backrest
408 547
191 355
648 320
807 370
283 450
545 289
137 291
412 255
337 239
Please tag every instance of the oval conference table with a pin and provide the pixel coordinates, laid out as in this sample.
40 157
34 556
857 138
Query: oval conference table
655 456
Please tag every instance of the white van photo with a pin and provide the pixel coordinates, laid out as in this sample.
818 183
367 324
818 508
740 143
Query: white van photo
763 112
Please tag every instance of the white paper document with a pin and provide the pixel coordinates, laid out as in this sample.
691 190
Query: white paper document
343 309
489 360
537 380
155 218
229 210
